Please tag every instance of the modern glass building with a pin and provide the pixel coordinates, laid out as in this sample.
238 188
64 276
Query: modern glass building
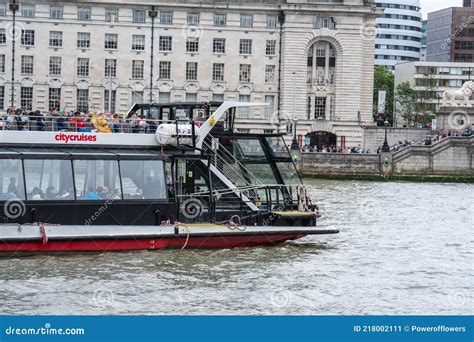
399 32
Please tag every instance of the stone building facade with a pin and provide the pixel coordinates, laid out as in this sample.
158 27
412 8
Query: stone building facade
93 54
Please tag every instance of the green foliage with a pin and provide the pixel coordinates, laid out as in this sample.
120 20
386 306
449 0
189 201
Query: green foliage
406 101
383 80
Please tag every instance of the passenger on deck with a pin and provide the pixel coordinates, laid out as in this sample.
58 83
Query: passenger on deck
49 195
37 194
91 194
100 123
116 123
77 122
12 186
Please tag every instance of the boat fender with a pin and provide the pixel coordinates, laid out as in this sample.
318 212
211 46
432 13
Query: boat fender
44 237
302 198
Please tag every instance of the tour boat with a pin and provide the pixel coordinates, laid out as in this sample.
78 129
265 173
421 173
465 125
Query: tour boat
175 176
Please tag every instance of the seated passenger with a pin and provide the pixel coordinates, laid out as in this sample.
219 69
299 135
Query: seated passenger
12 186
78 124
100 123
37 194
115 123
61 121
49 195
66 194
91 194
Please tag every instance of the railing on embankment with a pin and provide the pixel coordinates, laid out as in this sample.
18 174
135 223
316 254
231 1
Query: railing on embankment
452 156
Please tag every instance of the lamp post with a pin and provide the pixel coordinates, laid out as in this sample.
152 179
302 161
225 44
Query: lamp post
385 146
294 142
153 14
13 7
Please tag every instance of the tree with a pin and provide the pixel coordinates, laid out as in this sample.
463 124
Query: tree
383 80
406 102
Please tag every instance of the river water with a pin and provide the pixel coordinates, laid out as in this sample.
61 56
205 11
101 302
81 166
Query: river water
403 248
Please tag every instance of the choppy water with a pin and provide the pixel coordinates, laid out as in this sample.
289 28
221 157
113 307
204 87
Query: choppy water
404 248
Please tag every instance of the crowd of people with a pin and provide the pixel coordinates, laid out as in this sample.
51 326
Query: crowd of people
60 120
333 149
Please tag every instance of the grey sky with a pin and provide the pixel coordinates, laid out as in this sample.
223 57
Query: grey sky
428 6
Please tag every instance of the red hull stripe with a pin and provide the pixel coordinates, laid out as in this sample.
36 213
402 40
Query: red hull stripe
146 244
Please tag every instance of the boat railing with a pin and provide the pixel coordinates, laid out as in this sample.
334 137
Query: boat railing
95 124
266 197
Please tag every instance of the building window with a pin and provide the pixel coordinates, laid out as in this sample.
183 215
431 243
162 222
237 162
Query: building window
220 19
111 41
2 66
244 111
246 20
139 16
324 22
191 97
55 38
218 97
110 69
2 97
138 42
164 97
137 97
54 98
107 100
218 45
245 47
3 9
272 21
270 99
192 45
320 107
244 72
82 101
111 15
3 36
270 49
55 66
166 18
321 63
28 11
28 37
193 19
84 13
165 70
27 65
165 43
83 40
218 72
269 73
26 98
191 71
83 67
56 12
138 68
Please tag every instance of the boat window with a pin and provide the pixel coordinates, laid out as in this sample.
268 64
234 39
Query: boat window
143 179
97 179
288 173
11 175
249 149
263 173
48 179
278 147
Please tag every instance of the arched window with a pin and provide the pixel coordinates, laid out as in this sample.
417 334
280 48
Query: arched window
321 63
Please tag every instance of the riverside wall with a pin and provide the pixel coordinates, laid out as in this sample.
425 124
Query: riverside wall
453 156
